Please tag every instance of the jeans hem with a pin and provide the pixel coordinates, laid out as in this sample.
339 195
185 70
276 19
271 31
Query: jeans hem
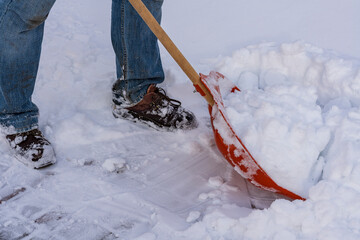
20 125
12 130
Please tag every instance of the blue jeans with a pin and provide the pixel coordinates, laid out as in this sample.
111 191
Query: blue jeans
21 32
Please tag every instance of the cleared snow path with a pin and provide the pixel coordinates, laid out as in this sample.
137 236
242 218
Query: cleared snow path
79 198
113 179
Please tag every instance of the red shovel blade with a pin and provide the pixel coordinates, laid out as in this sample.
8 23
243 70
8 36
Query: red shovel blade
230 145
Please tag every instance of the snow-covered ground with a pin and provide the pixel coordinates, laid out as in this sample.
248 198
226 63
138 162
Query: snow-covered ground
118 180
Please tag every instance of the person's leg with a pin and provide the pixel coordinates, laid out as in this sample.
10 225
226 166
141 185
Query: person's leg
139 69
137 53
21 28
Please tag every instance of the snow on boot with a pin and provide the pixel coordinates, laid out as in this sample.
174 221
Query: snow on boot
32 149
157 110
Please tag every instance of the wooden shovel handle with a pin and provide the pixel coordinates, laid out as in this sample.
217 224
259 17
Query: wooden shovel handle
171 48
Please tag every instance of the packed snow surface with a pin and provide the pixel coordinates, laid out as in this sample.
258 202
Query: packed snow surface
118 180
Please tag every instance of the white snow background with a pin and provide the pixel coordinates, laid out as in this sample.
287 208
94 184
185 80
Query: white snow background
118 180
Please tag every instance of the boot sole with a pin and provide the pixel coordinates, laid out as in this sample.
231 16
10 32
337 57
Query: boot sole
126 115
134 117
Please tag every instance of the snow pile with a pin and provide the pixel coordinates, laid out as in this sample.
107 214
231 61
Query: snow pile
300 106
277 115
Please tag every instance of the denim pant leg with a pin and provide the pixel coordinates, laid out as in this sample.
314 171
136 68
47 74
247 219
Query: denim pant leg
138 60
21 28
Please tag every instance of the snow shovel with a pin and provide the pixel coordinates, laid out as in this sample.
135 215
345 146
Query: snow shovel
228 143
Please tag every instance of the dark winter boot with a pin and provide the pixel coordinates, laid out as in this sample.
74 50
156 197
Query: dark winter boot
157 110
32 149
